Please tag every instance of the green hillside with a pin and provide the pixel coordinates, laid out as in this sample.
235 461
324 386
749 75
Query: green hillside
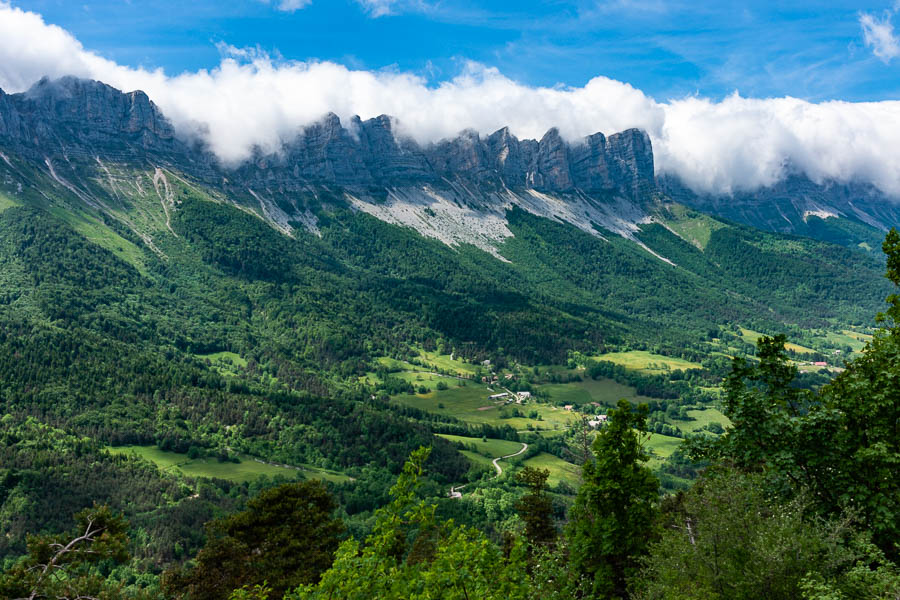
182 323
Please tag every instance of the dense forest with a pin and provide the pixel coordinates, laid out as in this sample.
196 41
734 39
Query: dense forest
234 345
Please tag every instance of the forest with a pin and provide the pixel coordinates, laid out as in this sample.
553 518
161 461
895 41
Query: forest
255 415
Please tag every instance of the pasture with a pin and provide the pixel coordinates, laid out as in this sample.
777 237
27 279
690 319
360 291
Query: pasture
472 405
641 360
660 448
702 418
225 363
604 391
5 202
560 470
491 448
246 470
750 336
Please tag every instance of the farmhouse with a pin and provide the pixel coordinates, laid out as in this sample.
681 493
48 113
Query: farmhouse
597 421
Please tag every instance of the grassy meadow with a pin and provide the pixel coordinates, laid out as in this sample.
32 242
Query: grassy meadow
246 470
642 360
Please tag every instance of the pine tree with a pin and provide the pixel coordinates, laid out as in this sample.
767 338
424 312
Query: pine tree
612 519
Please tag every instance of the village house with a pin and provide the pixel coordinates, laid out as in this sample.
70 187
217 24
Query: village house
597 421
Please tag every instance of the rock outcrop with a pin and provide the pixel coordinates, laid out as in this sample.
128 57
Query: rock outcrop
77 116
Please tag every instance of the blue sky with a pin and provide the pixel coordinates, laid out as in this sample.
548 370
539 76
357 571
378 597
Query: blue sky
819 86
815 51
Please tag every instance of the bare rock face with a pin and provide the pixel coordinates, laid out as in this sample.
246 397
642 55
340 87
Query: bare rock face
75 117
605 181
622 164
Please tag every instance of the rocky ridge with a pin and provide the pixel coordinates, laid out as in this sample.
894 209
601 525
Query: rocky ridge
456 190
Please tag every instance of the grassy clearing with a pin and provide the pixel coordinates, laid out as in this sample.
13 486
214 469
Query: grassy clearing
560 470
641 360
392 364
225 357
98 233
247 470
479 459
6 202
472 405
702 418
661 447
226 363
604 391
443 362
750 336
428 380
693 226
857 341
490 447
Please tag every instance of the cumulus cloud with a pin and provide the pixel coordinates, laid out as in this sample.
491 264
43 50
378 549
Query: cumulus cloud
251 99
289 5
381 8
878 34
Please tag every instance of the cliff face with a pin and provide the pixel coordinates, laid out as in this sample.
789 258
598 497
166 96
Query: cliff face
457 190
74 116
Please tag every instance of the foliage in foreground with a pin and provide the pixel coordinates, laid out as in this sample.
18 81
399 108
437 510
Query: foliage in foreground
727 537
412 554
286 537
64 567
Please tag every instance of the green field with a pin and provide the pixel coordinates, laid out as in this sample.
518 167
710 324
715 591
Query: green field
560 470
750 336
605 391
392 364
491 448
430 381
857 341
6 202
661 447
246 470
479 459
443 362
471 405
692 226
641 360
702 418
225 357
226 363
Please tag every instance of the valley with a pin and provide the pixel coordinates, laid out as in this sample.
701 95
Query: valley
178 337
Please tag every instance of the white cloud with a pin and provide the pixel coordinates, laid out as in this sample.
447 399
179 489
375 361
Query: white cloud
289 5
250 99
378 8
381 8
878 34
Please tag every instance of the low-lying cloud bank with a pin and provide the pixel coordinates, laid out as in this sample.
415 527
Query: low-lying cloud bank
249 99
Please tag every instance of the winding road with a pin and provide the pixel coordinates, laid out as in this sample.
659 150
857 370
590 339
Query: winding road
454 491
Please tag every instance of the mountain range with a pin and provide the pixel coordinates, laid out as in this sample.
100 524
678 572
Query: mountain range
152 296
456 190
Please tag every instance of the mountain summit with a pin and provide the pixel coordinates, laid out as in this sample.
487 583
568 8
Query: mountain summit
456 190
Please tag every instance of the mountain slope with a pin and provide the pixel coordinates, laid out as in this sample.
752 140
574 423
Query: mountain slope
129 257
